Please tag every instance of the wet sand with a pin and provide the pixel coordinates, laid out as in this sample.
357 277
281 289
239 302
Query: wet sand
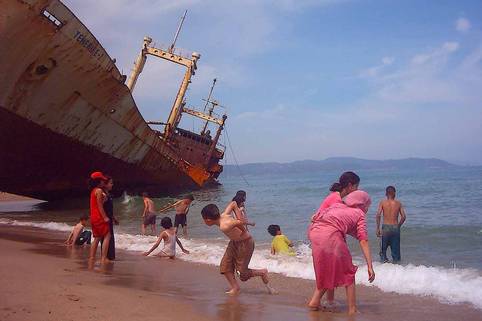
44 280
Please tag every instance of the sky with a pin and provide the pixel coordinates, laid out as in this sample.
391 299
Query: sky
308 79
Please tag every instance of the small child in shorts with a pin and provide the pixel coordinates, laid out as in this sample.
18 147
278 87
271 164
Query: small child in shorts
148 214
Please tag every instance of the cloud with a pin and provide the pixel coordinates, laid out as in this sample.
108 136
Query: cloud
426 78
462 24
388 60
436 54
426 106
374 71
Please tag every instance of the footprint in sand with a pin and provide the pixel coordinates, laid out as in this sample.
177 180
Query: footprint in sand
72 297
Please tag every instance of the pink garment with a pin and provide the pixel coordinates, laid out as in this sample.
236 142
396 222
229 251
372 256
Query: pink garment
331 199
358 199
331 257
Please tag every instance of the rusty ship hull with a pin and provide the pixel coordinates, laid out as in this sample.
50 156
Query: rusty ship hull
65 111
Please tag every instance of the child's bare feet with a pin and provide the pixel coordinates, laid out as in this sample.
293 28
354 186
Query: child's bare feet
264 277
353 311
105 261
233 291
271 290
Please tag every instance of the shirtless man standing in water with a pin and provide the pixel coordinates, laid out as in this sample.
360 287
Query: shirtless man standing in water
182 208
390 233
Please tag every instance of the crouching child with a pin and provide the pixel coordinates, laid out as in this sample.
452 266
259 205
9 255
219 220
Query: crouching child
78 236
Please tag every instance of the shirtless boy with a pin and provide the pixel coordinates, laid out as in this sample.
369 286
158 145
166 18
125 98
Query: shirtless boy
148 215
391 209
78 236
182 208
240 248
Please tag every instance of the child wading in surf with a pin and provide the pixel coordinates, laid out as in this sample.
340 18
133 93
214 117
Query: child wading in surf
240 248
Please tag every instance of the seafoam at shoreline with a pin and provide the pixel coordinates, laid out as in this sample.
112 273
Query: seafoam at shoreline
447 285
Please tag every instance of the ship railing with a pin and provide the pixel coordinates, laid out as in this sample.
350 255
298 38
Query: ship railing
178 51
221 147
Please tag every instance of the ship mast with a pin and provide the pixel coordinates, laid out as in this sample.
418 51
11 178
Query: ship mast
208 100
170 55
171 47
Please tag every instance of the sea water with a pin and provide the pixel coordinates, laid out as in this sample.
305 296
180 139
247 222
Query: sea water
441 241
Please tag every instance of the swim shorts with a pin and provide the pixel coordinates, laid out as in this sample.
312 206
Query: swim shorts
150 219
83 237
180 219
237 257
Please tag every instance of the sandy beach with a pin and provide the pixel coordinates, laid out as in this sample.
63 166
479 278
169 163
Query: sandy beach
44 280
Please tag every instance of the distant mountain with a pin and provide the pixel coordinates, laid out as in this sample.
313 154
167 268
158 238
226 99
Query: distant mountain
337 163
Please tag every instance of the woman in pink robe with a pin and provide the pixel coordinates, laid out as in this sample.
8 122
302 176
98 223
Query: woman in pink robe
347 183
331 257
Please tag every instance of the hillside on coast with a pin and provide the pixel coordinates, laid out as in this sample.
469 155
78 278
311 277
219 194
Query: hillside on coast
337 163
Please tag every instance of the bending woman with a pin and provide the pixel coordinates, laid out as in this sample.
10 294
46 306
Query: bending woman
331 257
347 183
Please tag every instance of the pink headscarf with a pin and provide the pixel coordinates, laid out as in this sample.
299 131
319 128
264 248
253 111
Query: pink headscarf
358 199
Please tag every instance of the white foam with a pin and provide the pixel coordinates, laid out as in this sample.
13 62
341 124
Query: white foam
126 198
448 285
46 225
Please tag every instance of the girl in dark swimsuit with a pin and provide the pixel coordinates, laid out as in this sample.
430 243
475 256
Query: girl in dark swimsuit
109 211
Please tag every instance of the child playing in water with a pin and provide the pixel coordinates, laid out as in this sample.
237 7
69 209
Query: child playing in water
238 208
182 208
78 236
390 233
148 215
170 239
280 244
240 248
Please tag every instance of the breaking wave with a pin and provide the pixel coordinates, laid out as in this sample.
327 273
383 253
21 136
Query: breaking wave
448 285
